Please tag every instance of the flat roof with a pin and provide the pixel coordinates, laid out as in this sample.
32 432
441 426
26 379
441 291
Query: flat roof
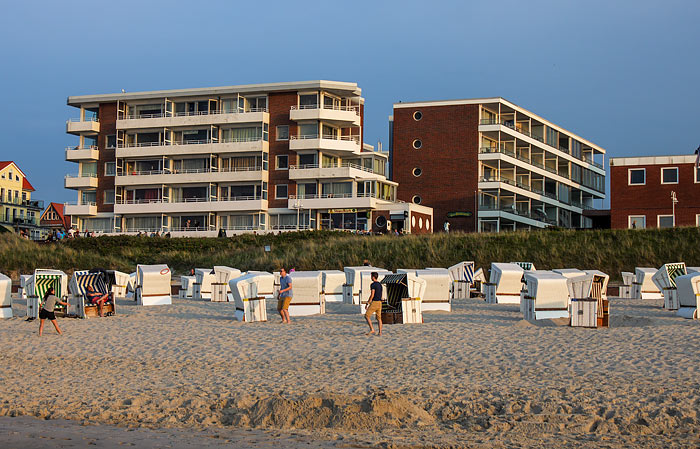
510 104
653 160
338 86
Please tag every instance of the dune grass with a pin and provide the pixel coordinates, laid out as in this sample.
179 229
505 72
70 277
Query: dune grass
610 251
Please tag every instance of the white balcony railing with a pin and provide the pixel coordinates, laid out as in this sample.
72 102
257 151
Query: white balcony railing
190 200
353 138
86 119
192 114
188 171
317 196
84 147
189 142
82 175
342 165
354 109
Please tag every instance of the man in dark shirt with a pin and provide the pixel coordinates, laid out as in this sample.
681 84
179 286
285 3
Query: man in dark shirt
374 304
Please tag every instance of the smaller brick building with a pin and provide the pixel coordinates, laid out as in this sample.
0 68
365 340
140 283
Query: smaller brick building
641 192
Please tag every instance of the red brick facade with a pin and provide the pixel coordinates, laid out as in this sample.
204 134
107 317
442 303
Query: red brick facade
448 159
653 198
279 105
108 126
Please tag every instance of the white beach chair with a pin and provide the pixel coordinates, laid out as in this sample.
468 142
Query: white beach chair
119 282
403 294
153 285
22 290
351 288
589 302
546 296
689 295
5 296
664 279
131 285
626 287
187 286
569 272
250 293
478 286
78 304
505 283
643 286
37 286
692 269
462 277
220 291
333 281
307 298
437 290
202 286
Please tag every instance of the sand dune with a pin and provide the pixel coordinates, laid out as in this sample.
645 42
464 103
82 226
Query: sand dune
480 376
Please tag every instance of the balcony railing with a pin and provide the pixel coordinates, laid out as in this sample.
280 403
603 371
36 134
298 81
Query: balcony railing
535 190
353 138
84 147
190 142
342 165
18 221
536 214
315 196
512 126
188 171
354 109
82 175
33 204
192 113
190 200
86 119
81 203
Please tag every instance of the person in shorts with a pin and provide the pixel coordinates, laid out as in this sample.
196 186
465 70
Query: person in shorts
47 310
285 296
374 304
96 298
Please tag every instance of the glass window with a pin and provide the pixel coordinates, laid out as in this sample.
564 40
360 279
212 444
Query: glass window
308 101
637 176
88 197
307 159
112 141
282 162
637 221
88 168
307 190
252 134
109 197
308 131
665 221
669 175
282 132
110 168
281 191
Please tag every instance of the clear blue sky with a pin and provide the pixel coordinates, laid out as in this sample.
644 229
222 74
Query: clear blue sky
621 74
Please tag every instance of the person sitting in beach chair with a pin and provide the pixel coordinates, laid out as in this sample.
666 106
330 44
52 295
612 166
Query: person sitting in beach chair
96 298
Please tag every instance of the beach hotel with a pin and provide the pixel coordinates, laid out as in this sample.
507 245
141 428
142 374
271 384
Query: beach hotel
262 157
489 165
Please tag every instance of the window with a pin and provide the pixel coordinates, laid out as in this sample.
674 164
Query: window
282 162
110 168
665 221
417 199
283 132
417 144
697 220
637 176
380 221
281 191
417 115
669 175
697 174
112 141
109 197
417 172
637 221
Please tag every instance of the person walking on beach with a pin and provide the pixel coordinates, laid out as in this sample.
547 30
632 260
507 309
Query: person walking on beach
374 304
46 312
285 296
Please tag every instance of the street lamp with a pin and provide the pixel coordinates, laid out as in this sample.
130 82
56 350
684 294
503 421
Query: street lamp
674 200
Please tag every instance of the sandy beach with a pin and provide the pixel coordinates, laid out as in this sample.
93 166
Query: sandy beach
477 377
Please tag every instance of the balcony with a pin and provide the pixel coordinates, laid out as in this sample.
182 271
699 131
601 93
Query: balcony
190 147
29 204
341 145
535 218
551 196
341 115
334 201
84 181
81 209
345 171
163 120
512 126
191 205
19 221
87 126
76 154
191 176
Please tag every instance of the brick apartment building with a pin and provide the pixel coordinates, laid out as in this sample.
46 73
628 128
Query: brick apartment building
243 158
640 192
488 165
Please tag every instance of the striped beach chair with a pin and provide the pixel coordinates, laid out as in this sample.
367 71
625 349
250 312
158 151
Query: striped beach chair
39 284
5 296
78 304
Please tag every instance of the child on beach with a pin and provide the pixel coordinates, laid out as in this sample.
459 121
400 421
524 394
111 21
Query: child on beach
46 312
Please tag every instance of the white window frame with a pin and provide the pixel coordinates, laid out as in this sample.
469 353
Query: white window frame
104 196
114 173
669 168
277 132
629 177
281 197
277 158
630 217
696 173
658 220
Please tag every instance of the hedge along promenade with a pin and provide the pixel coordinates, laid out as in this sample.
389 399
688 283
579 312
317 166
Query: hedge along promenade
610 251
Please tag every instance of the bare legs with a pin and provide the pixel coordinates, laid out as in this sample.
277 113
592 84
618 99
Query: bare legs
284 313
55 324
371 328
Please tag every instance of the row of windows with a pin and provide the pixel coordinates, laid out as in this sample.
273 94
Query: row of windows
669 175
662 221
10 175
